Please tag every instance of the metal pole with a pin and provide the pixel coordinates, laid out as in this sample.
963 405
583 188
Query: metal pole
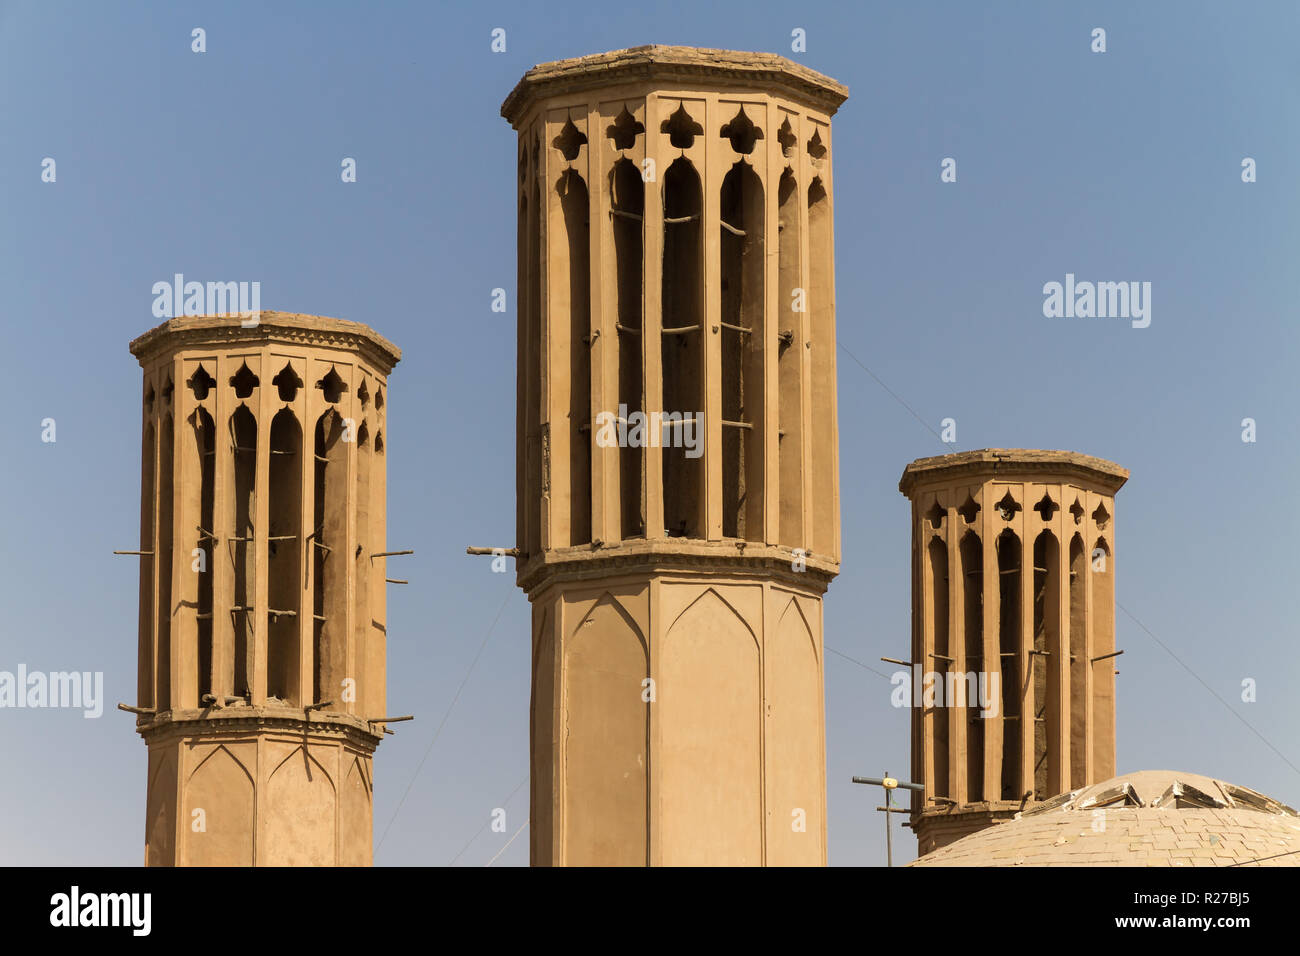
889 830
889 784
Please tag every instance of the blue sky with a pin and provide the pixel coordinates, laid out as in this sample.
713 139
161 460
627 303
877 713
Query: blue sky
225 165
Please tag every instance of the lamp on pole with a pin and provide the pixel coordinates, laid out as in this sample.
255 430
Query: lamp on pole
890 784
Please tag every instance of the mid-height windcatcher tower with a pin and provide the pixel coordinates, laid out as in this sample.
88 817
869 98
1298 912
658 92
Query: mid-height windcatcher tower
262 635
675 262
1013 633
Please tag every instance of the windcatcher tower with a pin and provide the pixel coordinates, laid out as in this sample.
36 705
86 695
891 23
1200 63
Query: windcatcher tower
1013 576
262 609
675 256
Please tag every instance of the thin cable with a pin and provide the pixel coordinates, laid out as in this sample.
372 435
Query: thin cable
443 723
894 394
486 822
859 663
507 846
1230 708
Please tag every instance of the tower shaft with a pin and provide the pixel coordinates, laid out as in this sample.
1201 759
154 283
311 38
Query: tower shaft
677 484
1012 684
262 604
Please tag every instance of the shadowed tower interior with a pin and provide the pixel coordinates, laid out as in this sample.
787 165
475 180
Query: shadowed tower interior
676 294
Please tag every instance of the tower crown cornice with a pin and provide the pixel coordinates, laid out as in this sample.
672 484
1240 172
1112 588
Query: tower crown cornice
1007 463
269 327
767 72
665 556
192 722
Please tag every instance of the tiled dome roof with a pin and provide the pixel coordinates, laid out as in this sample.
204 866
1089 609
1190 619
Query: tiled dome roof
1148 818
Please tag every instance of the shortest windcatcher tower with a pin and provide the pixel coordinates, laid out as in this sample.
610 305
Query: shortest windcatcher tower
262 610
1013 633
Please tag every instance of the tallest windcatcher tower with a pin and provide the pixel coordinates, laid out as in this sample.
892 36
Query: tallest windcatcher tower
675 264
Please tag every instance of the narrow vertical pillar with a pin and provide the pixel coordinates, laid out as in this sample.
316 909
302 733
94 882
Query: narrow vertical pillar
831 359
262 482
1060 658
957 715
1029 663
802 326
605 356
184 594
603 343
714 171
652 375
994 725
219 564
541 179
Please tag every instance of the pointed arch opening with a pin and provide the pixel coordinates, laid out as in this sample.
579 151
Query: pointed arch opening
573 271
164 556
789 362
1009 628
365 569
816 148
201 383
199 531
939 664
329 540
1045 663
284 564
627 208
742 267
1078 665
682 352
1102 575
244 381
570 140
742 133
971 554
785 136
287 382
241 505
624 130
681 128
333 386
